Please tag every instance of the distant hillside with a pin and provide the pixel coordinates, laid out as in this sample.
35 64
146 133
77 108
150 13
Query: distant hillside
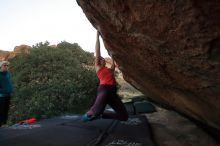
5 55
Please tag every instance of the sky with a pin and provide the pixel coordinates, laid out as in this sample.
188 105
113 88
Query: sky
33 21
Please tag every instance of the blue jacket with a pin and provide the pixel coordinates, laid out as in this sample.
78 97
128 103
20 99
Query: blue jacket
5 84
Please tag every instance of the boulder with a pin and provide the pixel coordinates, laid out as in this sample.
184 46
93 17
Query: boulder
169 50
4 55
22 49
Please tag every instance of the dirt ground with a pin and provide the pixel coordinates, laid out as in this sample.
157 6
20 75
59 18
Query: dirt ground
168 127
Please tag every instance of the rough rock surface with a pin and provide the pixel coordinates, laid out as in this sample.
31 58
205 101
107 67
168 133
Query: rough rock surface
171 129
5 55
168 127
22 49
168 49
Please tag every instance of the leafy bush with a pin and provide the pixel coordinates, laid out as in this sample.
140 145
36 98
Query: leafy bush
50 81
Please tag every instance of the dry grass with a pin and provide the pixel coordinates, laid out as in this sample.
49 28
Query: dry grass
126 91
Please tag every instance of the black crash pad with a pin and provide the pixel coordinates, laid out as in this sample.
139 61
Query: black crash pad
73 132
138 98
144 107
134 132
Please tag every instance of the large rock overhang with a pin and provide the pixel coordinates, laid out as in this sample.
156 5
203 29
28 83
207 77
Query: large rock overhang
169 50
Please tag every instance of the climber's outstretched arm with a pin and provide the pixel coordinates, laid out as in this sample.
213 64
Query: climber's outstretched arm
97 50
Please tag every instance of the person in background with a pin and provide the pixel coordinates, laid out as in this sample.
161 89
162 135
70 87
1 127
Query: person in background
106 92
5 91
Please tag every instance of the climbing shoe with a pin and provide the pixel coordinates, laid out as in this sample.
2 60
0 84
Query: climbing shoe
86 118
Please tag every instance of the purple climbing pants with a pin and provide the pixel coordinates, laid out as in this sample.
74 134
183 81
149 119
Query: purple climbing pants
107 94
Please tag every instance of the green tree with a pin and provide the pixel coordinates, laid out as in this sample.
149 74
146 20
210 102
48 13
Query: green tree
51 81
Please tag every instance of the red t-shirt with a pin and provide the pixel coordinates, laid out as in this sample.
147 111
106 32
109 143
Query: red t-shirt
106 77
